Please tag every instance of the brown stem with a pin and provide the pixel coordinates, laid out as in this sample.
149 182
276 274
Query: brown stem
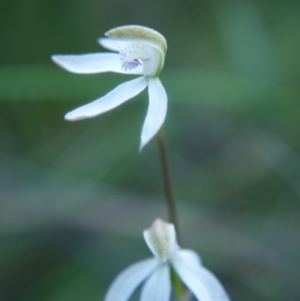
167 182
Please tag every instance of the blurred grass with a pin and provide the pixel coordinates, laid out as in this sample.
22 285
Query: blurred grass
218 88
75 197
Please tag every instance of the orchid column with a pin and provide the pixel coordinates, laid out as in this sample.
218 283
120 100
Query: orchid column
136 50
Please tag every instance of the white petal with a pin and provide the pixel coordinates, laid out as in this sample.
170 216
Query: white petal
111 100
212 284
158 286
157 110
93 63
124 285
190 277
190 257
110 44
161 239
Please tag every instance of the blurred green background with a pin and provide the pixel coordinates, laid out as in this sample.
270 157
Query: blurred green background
75 197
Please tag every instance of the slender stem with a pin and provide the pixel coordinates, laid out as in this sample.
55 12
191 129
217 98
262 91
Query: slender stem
180 290
167 182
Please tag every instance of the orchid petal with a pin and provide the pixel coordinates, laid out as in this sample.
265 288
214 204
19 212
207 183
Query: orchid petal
158 286
157 110
111 100
93 63
190 277
124 285
190 257
161 239
113 45
214 286
216 290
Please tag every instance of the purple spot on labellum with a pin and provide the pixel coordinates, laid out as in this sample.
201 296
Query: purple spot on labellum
130 64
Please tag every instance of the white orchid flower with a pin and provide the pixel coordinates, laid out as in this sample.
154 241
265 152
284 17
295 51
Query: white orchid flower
137 50
161 240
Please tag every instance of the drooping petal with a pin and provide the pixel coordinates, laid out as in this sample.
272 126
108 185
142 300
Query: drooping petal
190 277
124 285
161 239
158 286
157 110
93 63
213 285
111 44
111 100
